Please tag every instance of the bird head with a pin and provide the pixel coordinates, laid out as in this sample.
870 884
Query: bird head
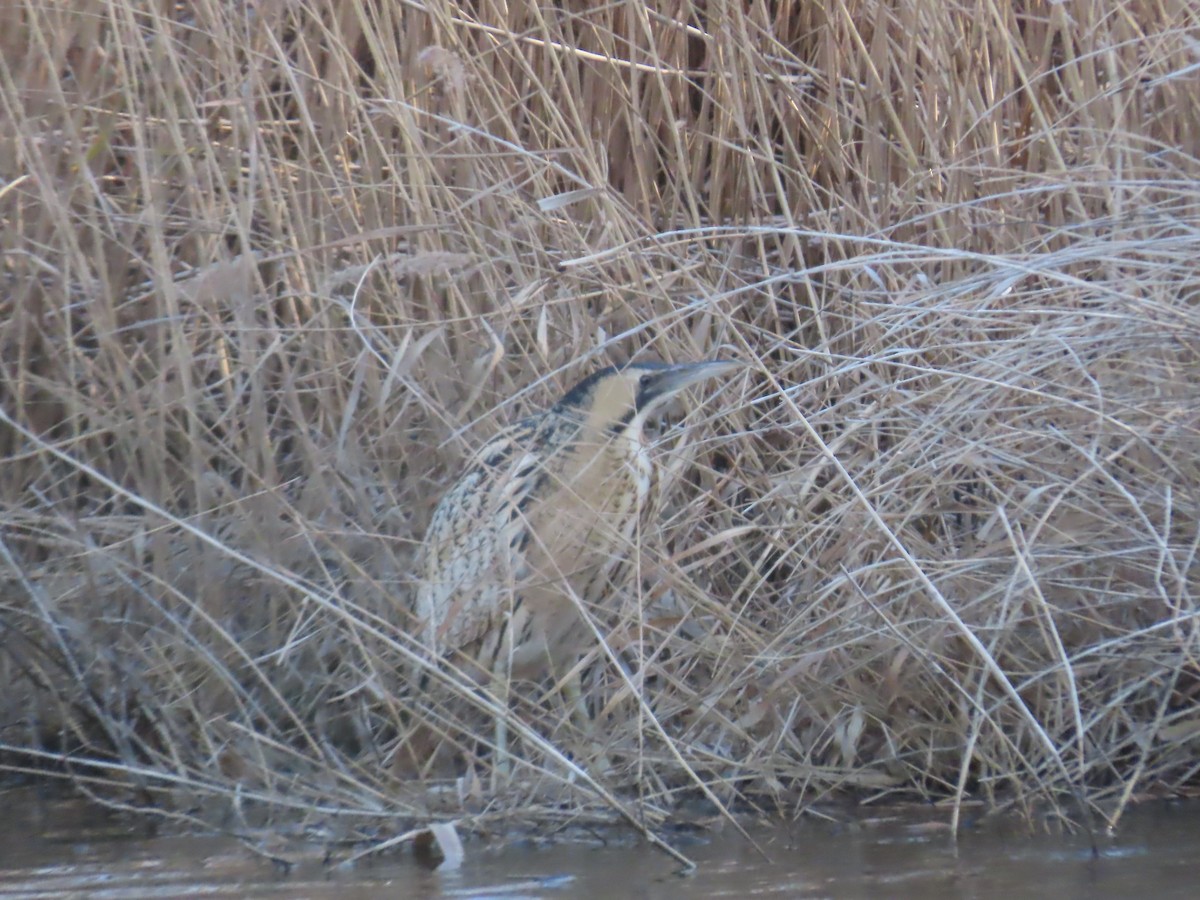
619 396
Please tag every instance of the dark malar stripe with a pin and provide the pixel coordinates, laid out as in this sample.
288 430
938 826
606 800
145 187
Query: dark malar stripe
621 424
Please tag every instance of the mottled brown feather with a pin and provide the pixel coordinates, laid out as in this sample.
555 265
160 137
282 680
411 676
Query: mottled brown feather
540 522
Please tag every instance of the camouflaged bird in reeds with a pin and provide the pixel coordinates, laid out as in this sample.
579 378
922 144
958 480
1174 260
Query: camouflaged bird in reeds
539 528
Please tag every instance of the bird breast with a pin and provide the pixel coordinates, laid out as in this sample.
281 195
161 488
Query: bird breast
541 521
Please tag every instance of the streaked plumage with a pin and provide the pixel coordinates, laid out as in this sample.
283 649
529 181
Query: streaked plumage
541 520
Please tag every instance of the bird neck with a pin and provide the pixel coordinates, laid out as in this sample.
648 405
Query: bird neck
605 434
604 462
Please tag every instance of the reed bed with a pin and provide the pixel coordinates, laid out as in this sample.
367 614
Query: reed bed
272 270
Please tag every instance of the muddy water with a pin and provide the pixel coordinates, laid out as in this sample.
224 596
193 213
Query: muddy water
57 847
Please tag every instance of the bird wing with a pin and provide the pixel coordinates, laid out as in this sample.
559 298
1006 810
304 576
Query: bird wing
474 551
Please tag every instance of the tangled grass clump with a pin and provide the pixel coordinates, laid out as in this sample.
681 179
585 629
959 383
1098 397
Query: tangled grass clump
271 271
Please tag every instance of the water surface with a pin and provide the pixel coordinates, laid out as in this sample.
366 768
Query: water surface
51 846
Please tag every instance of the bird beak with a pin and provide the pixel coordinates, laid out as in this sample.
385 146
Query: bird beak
670 380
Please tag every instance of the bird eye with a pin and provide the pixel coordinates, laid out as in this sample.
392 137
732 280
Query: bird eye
644 381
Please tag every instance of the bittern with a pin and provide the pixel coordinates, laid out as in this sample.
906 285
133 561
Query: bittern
538 526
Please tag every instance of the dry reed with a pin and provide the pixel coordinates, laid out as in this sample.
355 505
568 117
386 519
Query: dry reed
270 270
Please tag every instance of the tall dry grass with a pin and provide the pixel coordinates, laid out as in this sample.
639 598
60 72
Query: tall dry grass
271 270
